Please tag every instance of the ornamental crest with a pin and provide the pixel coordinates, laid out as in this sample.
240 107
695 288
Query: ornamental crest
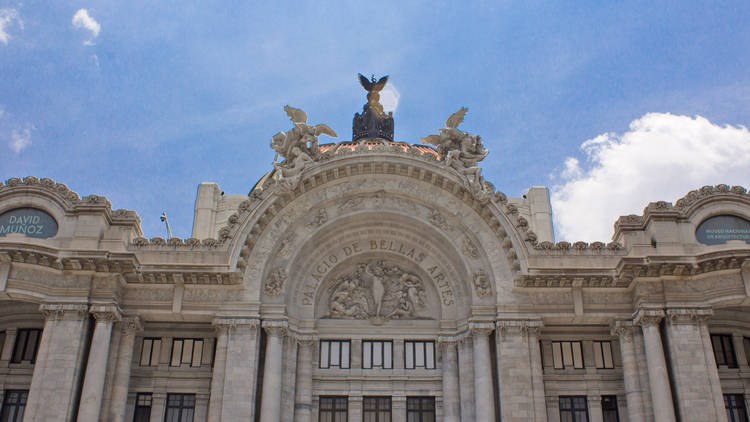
377 291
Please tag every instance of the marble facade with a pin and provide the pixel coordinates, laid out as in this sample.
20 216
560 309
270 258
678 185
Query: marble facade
378 244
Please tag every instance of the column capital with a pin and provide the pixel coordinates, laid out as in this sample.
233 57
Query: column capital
275 328
689 315
448 341
305 339
60 311
646 317
481 329
131 324
623 329
108 312
523 327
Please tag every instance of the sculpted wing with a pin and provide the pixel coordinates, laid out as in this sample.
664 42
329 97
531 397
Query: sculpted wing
297 115
432 140
322 129
380 84
365 83
456 118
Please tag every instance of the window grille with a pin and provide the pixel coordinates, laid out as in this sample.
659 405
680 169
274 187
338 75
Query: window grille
142 407
180 408
376 409
573 409
14 404
333 409
609 409
420 409
735 405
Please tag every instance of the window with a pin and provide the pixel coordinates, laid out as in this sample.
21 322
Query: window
376 409
746 342
2 341
334 354
420 409
567 354
333 409
27 343
723 350
609 409
142 407
150 351
187 351
419 354
735 405
180 408
377 354
603 355
573 409
13 405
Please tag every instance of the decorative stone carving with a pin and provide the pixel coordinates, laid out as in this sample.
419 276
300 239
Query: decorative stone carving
481 329
275 328
64 310
378 291
320 218
286 245
482 284
299 147
648 317
438 220
470 249
622 329
460 151
524 327
275 282
689 315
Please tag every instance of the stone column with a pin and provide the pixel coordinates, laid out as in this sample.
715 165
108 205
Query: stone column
121 382
661 392
519 369
595 407
303 393
694 373
235 383
484 400
10 341
218 374
270 406
158 406
633 394
96 368
59 358
739 351
451 398
466 377
289 379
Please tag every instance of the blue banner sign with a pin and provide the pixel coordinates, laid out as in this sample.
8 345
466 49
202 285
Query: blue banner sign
31 222
721 228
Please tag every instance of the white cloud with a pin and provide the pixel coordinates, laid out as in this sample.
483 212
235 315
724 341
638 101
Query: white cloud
389 97
19 140
7 17
660 157
82 20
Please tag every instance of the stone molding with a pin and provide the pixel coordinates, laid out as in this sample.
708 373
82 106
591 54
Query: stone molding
648 317
275 328
131 325
108 312
689 315
59 311
220 322
304 340
524 327
447 341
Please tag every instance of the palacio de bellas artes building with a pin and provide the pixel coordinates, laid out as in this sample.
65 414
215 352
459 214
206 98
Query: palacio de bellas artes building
372 280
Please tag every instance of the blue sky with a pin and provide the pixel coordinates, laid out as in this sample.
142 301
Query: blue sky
140 101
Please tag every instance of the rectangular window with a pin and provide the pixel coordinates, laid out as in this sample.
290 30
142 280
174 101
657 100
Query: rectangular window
735 405
419 354
27 343
723 350
376 409
334 354
150 350
420 409
187 352
377 354
603 355
573 409
14 405
180 408
746 342
2 341
333 409
142 408
568 354
609 409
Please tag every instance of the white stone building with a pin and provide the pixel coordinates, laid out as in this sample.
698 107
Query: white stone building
371 281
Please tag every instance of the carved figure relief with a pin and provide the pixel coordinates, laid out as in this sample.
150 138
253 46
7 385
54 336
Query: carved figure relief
320 218
482 284
438 220
275 282
378 291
